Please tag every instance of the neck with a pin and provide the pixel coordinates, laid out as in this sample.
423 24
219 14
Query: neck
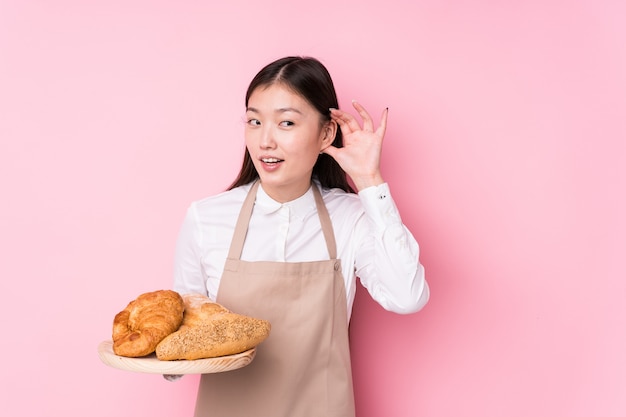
285 194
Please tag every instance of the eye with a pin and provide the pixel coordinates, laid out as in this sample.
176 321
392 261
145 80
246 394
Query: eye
253 122
287 123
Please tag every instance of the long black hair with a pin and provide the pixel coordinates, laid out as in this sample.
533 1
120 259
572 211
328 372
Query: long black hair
309 78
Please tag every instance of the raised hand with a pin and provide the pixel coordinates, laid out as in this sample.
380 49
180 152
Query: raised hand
362 146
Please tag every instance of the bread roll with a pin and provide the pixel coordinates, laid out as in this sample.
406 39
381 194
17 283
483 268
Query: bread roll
209 330
138 329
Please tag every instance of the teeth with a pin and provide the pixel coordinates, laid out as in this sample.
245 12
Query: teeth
270 160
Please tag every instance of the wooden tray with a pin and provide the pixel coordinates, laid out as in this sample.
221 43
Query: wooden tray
150 364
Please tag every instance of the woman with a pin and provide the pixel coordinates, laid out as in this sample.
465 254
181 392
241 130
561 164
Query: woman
287 240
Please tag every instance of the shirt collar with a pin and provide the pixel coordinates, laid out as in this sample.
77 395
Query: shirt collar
298 208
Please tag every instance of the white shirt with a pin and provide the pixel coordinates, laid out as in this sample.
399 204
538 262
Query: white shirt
372 242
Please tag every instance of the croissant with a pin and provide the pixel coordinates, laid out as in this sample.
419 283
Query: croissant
138 329
210 330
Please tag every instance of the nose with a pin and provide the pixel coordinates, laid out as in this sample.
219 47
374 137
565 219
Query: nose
267 139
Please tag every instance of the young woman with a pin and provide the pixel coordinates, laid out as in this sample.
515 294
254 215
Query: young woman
287 240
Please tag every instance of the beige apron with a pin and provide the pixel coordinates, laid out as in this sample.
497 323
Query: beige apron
303 368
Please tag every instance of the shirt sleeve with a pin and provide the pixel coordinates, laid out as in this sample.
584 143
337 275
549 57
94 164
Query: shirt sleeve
188 272
387 261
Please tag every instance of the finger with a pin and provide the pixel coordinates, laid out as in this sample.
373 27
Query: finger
368 123
346 121
382 128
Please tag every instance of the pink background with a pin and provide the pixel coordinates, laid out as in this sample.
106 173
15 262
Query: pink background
505 152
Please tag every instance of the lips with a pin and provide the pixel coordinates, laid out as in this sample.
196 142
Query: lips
270 163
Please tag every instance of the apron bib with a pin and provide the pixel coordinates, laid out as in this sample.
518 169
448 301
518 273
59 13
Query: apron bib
303 368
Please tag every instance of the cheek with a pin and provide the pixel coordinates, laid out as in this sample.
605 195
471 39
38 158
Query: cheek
308 147
310 153
249 138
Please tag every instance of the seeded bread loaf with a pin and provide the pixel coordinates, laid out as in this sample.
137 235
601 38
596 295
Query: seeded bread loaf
209 330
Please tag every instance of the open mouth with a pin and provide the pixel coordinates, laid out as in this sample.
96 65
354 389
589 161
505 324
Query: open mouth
271 161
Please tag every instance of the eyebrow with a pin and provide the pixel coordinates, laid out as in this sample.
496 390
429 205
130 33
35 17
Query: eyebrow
281 110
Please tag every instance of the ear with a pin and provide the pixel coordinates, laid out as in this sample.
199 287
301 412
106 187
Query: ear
329 131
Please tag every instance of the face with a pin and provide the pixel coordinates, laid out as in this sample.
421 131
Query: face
284 136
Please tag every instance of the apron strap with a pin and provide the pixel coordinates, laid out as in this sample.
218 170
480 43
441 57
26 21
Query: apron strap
241 228
327 226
